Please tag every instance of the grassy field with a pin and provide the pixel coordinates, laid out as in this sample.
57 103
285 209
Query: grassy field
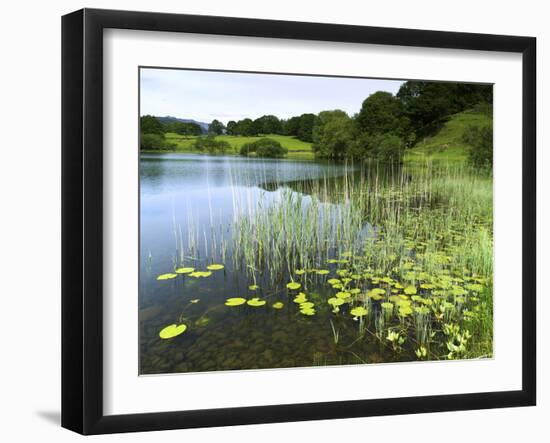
297 149
447 145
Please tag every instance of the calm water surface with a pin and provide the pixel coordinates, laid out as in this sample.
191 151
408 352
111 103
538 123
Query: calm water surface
188 204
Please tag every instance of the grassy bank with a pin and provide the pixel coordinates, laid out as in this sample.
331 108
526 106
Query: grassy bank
297 149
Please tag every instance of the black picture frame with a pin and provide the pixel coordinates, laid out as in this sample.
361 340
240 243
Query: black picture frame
82 218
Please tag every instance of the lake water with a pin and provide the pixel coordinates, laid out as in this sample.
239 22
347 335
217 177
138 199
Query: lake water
188 206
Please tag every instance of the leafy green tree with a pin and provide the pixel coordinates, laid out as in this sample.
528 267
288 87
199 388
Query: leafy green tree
382 113
428 104
291 126
268 124
305 127
480 141
231 128
246 127
333 134
183 128
150 125
216 127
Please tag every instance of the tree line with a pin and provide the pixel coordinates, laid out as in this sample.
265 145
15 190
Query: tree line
383 128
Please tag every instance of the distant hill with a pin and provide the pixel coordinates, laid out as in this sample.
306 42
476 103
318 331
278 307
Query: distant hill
170 119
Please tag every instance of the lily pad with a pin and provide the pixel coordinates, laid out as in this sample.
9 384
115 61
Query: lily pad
343 295
293 285
333 301
409 290
306 305
255 302
300 271
300 298
333 281
359 311
184 270
323 271
167 276
253 287
307 311
405 310
172 331
235 301
198 274
214 267
277 305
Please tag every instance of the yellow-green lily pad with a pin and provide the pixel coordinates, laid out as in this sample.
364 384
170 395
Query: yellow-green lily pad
235 301
172 331
333 301
198 274
214 267
255 302
300 271
306 305
184 270
409 290
343 295
300 298
333 281
359 311
307 311
293 285
253 287
277 305
323 271
167 276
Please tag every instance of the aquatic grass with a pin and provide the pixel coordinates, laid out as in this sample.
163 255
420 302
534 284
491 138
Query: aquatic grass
404 244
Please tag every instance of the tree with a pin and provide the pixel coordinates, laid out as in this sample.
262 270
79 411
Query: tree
246 127
150 125
428 104
183 128
333 134
480 140
305 127
267 124
382 113
216 127
291 126
231 128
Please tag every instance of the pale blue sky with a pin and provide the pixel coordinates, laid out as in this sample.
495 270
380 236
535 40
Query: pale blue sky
204 95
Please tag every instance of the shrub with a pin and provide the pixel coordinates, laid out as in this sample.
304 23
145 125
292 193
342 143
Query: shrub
264 147
153 141
211 145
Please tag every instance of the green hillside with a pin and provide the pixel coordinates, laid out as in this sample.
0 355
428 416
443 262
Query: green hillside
447 145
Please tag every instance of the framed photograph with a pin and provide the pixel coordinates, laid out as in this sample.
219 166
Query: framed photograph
269 221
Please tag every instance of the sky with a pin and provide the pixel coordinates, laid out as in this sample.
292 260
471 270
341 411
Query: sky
206 95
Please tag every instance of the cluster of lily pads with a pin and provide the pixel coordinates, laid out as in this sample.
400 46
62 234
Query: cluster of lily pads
175 329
